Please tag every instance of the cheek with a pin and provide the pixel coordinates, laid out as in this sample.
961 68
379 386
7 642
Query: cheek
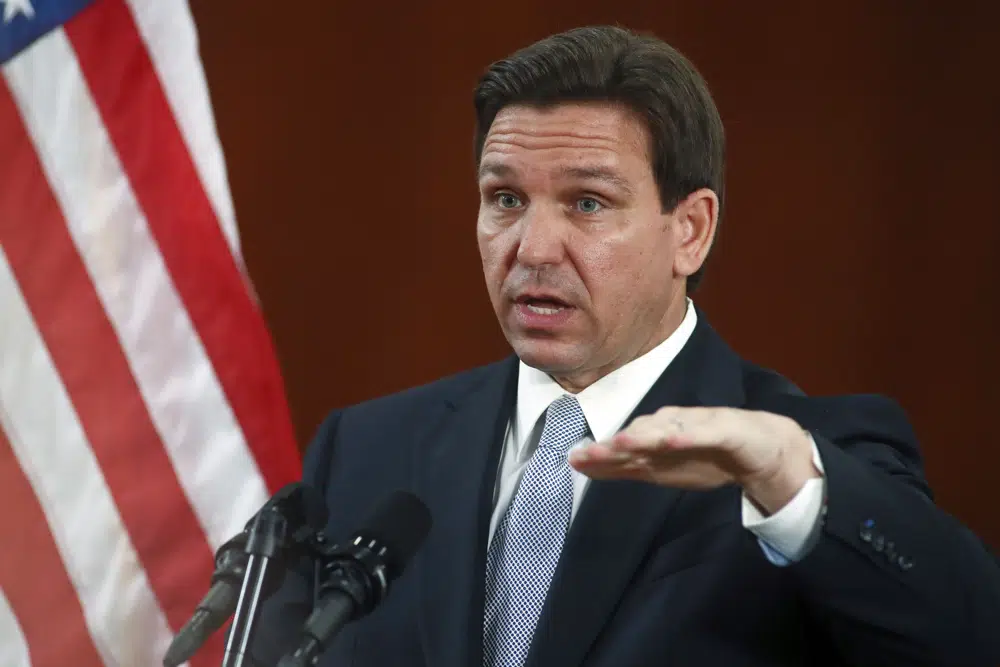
605 275
495 249
605 262
620 272
596 265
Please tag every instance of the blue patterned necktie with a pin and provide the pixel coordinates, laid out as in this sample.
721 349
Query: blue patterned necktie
529 538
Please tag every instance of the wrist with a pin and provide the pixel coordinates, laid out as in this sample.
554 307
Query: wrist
775 488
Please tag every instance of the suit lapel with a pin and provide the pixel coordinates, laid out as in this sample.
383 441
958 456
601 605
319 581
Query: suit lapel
456 474
617 520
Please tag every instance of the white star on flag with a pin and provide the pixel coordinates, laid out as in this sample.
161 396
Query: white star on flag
12 8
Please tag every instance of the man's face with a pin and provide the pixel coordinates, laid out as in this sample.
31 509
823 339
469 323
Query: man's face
577 253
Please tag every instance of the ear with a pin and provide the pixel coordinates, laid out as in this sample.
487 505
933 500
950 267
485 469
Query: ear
696 218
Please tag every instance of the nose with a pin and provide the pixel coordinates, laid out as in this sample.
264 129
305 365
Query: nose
542 239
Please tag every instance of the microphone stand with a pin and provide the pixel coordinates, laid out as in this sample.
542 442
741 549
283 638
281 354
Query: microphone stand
264 542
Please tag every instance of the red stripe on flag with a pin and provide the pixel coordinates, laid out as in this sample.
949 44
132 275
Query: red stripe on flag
142 127
162 526
34 579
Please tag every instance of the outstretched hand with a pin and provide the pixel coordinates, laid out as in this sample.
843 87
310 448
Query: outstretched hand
768 455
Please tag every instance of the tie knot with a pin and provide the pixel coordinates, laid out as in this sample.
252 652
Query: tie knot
565 424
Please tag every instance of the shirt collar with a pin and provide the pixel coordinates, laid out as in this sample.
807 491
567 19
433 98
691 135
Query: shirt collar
608 402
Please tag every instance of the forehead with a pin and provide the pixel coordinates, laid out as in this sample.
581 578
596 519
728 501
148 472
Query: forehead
587 135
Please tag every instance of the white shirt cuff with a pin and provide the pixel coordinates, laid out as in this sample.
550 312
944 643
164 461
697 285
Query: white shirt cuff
789 534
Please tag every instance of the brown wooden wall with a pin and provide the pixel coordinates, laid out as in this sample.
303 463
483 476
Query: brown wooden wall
861 247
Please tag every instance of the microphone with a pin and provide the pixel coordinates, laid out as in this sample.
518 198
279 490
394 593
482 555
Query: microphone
304 512
356 577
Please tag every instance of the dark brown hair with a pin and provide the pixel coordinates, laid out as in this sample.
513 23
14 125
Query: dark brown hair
611 64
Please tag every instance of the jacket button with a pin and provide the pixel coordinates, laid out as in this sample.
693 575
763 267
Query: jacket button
878 543
866 530
904 563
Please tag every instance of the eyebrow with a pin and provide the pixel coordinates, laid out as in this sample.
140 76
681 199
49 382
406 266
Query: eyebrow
494 169
583 173
598 174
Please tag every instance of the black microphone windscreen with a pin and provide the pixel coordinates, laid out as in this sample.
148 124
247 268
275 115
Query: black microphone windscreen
313 507
400 522
301 505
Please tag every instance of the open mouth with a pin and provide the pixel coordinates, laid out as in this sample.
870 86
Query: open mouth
544 305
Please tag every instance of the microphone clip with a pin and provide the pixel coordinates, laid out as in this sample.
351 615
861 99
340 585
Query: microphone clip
358 568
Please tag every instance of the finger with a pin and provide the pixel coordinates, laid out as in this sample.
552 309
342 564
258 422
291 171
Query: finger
598 453
638 443
677 428
596 467
618 474
639 435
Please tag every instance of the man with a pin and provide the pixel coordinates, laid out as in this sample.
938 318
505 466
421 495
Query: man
625 490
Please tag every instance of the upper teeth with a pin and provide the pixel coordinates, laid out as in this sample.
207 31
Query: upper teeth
541 310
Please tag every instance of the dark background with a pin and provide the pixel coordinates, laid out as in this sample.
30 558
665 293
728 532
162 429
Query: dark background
860 251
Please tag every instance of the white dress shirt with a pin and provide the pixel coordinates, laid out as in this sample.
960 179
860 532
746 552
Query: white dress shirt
784 536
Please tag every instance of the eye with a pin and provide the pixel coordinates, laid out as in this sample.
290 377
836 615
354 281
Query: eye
507 200
588 205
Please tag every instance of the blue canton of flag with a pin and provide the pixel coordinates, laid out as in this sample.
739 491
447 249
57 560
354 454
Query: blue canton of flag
24 21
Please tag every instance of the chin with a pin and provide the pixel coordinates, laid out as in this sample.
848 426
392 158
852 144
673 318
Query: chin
553 357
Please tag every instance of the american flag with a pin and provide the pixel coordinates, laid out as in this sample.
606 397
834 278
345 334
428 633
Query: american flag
142 413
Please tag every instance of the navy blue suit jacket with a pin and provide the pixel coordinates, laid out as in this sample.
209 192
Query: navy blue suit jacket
652 575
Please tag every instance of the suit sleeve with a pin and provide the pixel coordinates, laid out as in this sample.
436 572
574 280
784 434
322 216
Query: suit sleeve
893 578
284 613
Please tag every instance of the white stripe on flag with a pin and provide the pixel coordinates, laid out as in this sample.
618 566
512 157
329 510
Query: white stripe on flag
179 386
168 29
13 645
122 614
